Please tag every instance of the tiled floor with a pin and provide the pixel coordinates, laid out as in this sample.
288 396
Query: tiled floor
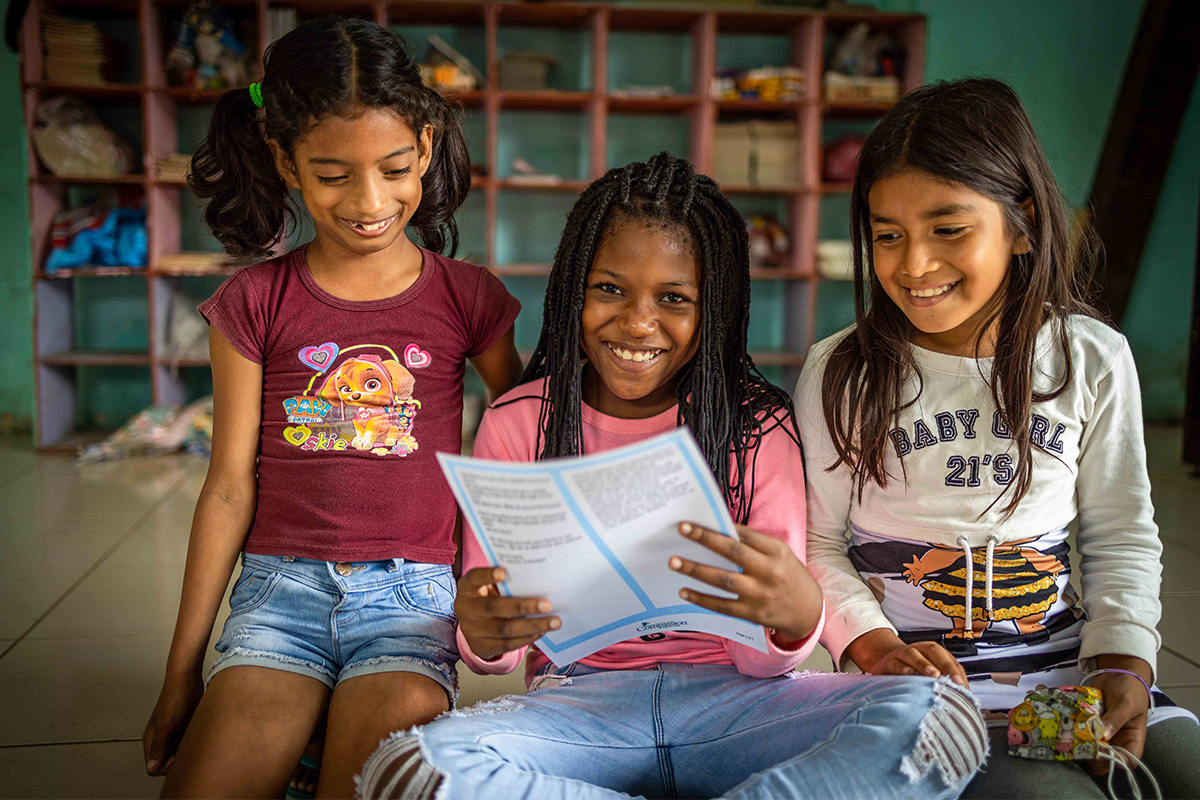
91 562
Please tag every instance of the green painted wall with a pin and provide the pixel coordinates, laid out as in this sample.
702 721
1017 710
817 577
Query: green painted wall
16 295
1065 58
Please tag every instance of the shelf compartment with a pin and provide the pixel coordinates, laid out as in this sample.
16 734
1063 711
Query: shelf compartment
194 97
88 180
96 358
760 107
89 272
636 104
548 100
106 91
843 110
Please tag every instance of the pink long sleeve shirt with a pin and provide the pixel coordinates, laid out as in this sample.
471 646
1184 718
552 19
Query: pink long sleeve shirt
509 433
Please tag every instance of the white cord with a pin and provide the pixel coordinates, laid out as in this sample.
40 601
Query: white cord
969 623
991 554
1117 755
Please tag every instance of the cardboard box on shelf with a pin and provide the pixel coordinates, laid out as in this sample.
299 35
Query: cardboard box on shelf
756 153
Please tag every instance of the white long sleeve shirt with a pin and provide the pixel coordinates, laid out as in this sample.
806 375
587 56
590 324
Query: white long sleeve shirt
896 559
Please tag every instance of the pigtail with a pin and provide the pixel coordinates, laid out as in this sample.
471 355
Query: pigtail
249 208
447 181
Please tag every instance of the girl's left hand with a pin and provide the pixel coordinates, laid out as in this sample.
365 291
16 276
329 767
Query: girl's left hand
1126 705
774 589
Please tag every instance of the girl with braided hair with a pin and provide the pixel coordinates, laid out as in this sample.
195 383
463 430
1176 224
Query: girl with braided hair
644 329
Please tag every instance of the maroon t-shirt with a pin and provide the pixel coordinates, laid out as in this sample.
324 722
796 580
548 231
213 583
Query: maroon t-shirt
357 398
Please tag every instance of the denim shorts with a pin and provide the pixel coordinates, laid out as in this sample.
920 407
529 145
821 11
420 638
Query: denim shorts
333 621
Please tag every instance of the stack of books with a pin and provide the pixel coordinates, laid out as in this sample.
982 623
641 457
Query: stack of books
77 52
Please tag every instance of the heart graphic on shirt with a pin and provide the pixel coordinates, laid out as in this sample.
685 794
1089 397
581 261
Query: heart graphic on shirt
416 358
319 358
297 434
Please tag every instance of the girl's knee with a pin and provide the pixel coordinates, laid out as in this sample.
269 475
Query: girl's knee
399 769
951 738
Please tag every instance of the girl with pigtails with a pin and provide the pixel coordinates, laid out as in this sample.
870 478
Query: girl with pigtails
337 375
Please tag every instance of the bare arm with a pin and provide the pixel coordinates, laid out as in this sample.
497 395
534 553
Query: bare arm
221 523
499 366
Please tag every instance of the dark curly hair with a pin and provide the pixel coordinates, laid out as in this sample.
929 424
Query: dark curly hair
336 66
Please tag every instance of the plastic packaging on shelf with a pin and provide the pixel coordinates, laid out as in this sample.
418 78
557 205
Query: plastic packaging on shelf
71 140
864 68
98 236
835 259
157 430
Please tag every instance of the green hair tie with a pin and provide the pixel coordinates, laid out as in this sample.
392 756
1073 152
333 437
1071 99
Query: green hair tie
256 94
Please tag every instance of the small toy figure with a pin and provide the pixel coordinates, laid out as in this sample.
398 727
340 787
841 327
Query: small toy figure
207 54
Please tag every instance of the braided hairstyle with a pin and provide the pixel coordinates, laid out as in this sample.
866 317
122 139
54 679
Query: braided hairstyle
723 398
333 65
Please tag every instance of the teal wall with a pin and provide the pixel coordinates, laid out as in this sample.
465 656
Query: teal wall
16 295
1066 59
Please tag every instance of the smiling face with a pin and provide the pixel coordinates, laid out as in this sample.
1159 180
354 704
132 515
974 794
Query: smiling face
942 253
360 177
641 319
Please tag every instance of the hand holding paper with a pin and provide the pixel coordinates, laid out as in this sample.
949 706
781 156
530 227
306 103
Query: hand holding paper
594 537
770 589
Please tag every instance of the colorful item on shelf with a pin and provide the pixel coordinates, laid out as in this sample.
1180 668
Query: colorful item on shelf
448 70
77 52
97 236
207 54
769 244
768 84
841 158
864 68
72 141
1061 724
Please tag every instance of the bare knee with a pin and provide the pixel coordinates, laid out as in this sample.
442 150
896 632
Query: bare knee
398 770
953 738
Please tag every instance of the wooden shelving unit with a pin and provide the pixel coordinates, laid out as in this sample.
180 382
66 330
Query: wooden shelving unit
594 101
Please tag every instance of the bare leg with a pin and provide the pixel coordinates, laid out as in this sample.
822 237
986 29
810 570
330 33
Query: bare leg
247 734
363 712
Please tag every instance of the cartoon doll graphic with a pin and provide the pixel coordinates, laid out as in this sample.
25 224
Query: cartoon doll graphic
364 401
369 390
1024 586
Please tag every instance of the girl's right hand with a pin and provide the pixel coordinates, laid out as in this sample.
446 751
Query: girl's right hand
882 652
921 658
176 704
493 624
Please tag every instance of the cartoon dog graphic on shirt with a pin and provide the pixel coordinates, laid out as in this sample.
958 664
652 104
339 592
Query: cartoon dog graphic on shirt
371 390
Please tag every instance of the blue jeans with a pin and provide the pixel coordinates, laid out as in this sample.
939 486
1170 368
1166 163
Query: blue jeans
682 730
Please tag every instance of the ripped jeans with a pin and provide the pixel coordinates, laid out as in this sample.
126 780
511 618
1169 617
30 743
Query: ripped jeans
337 621
682 730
